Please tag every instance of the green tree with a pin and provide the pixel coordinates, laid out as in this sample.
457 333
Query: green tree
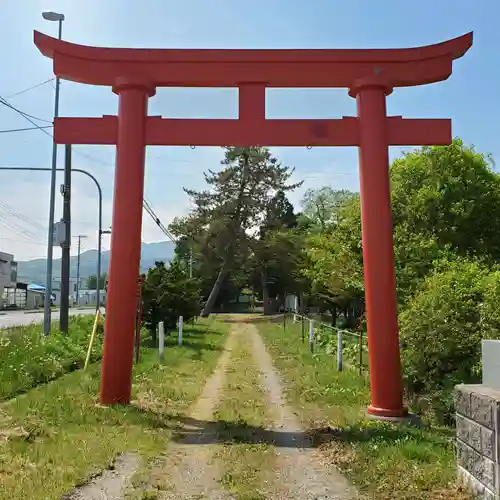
450 194
234 204
92 281
323 207
169 293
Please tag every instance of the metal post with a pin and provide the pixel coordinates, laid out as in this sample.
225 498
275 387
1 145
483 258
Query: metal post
52 206
339 350
65 259
161 340
78 269
181 326
311 335
284 311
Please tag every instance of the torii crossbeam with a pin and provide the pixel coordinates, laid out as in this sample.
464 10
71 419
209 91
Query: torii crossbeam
370 75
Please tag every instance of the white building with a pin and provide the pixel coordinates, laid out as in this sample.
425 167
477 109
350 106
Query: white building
56 290
89 297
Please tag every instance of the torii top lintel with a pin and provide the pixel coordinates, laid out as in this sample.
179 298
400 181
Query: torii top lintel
300 68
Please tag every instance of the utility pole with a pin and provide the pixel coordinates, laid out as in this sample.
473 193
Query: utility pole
59 18
78 269
66 246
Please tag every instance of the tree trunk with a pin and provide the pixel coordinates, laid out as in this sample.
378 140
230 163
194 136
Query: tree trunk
333 311
209 304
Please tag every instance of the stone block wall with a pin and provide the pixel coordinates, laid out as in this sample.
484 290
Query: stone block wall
478 439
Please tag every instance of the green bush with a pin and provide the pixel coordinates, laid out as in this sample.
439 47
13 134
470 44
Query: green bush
169 293
29 358
441 330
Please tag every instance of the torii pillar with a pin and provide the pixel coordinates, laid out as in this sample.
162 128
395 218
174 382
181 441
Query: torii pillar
370 75
378 253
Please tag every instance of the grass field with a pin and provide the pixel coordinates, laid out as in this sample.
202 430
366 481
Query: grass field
28 358
55 436
384 461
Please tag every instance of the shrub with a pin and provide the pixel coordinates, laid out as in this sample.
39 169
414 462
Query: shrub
29 358
441 330
169 293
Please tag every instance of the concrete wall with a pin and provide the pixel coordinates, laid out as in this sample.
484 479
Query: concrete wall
478 439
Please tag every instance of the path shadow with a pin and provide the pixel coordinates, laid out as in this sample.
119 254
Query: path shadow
196 432
190 431
250 318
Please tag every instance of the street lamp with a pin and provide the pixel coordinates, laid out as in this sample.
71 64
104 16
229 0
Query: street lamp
55 17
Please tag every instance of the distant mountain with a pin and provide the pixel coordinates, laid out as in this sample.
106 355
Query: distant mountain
33 271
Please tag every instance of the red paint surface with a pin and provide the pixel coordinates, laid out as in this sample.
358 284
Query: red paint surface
369 74
378 258
121 300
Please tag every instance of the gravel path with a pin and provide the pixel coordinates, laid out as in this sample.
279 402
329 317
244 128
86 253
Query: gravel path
297 475
192 472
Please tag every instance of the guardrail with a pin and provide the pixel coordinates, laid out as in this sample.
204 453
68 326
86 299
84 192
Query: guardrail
350 348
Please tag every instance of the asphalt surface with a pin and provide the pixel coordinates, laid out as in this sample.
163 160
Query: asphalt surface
18 318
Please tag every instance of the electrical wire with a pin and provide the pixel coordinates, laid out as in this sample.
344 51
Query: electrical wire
18 215
20 232
22 113
26 242
26 116
157 220
6 131
30 88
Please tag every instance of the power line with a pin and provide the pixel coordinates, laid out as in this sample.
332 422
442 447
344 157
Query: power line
26 116
22 113
24 129
31 88
25 242
20 232
18 215
157 220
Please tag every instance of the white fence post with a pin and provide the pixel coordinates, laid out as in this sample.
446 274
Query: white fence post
180 329
339 350
311 335
161 339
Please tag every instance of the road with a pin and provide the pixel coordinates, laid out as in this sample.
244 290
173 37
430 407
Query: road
17 318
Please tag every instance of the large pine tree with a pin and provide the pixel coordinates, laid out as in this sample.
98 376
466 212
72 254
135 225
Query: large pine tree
237 203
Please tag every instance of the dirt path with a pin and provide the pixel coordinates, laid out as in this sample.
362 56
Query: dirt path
190 470
297 474
241 434
110 484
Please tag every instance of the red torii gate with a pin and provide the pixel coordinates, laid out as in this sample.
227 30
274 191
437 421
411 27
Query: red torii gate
370 75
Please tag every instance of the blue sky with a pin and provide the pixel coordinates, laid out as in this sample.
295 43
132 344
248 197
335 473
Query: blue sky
468 97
